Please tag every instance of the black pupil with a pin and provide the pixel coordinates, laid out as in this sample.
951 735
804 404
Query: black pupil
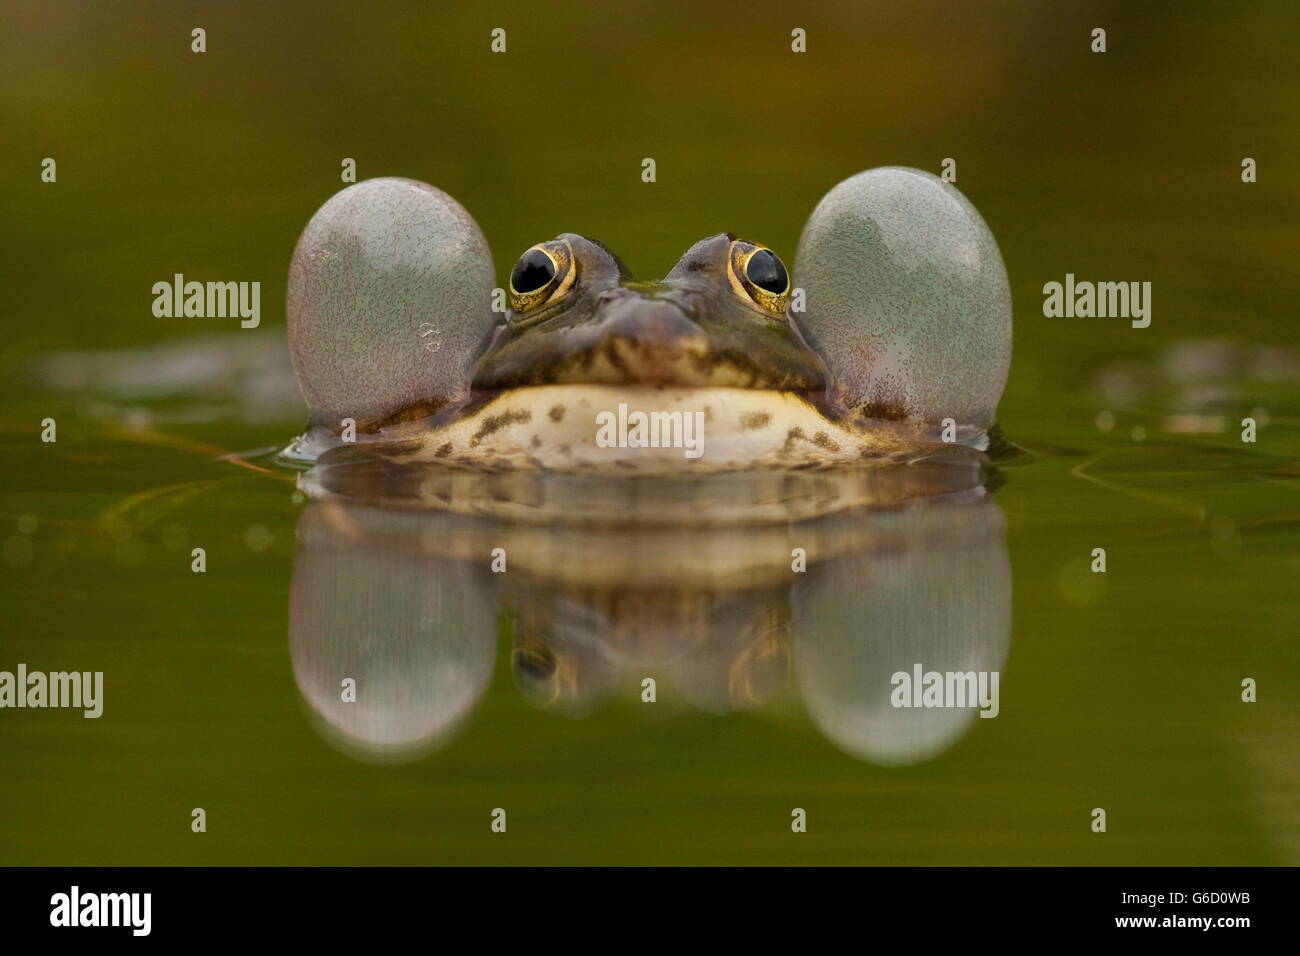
536 667
765 271
533 270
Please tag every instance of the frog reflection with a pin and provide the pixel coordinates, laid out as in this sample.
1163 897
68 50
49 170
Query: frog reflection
908 568
392 646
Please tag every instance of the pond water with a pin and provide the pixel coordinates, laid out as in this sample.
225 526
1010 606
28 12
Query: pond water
523 690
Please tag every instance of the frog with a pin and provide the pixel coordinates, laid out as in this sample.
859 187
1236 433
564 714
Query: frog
892 332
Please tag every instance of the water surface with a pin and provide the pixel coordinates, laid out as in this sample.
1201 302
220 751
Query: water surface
523 691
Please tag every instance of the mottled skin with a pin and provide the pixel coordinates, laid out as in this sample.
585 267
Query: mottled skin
691 329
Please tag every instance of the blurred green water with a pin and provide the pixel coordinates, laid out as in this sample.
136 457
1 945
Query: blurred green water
1120 166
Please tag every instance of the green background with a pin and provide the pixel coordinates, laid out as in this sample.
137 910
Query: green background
1115 166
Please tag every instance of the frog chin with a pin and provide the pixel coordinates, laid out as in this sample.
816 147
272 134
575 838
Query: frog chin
642 428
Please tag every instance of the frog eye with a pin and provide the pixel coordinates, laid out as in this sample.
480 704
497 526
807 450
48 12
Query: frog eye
758 275
534 664
542 276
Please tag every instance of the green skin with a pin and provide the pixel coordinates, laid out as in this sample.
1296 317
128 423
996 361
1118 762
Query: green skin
692 329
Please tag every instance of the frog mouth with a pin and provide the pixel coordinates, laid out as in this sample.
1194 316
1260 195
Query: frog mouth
636 340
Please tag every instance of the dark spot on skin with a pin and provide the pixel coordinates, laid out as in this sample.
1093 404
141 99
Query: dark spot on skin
564 450
752 420
820 439
443 452
536 442
882 410
615 360
557 413
738 363
494 423
414 413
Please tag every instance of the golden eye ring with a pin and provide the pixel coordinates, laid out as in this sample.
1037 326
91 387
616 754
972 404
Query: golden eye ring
757 275
543 275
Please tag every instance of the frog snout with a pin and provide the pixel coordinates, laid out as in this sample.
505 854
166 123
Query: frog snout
648 322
